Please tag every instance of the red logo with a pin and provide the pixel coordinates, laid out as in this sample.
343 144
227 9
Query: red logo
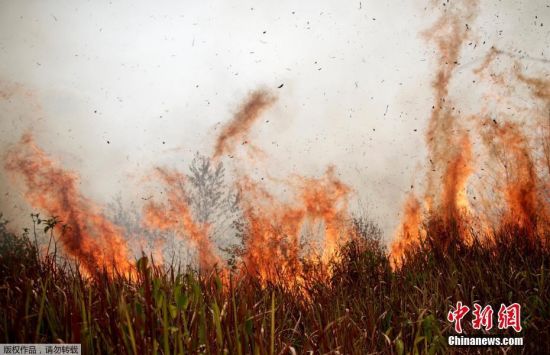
508 316
482 317
457 315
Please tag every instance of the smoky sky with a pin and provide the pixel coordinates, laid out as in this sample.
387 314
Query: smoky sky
114 88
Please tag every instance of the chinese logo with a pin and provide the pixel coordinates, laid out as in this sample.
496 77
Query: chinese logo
507 316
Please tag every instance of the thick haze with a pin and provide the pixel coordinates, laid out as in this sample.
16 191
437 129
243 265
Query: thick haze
112 89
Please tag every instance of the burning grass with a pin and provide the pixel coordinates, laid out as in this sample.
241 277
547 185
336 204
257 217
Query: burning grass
362 306
457 241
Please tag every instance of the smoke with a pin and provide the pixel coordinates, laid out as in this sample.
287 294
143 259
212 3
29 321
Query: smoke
127 89
447 142
235 131
451 136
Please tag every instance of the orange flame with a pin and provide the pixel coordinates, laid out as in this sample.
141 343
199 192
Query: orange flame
450 152
525 205
176 215
326 200
89 236
452 155
408 233
454 198
273 240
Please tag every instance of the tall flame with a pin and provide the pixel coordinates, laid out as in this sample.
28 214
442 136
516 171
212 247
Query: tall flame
409 231
449 147
451 155
457 171
88 236
525 205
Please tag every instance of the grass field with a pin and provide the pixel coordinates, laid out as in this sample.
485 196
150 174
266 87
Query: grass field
363 306
280 264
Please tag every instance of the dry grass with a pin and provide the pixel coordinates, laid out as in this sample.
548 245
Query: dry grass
364 308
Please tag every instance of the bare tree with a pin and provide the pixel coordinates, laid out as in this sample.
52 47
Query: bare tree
213 203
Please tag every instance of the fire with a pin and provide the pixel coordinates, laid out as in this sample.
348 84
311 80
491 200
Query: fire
449 153
235 132
409 231
272 241
274 246
92 239
458 170
176 215
520 188
449 138
273 238
326 200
